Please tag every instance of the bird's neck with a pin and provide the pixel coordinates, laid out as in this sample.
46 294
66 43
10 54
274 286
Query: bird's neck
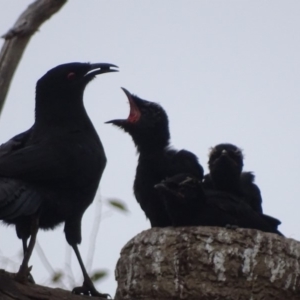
152 141
152 148
59 113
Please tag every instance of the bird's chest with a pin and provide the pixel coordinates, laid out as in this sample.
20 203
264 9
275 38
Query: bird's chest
79 162
148 173
84 158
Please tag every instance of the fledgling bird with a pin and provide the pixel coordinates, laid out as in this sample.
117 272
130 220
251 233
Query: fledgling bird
50 173
226 175
188 204
148 126
184 199
225 164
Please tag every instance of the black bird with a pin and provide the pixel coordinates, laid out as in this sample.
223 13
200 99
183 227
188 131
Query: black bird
50 173
188 204
148 126
226 165
225 174
184 199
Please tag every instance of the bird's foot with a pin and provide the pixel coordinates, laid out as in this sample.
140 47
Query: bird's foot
89 289
232 227
30 278
24 275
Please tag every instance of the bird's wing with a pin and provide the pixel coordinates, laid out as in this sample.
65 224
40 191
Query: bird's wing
186 162
17 199
28 161
15 143
241 213
251 191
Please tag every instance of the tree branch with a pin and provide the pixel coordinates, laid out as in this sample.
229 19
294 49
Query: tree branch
17 38
12 290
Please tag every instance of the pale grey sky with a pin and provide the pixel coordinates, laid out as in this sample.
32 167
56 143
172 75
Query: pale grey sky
225 71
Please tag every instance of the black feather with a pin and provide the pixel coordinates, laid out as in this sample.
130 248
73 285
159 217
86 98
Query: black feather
188 204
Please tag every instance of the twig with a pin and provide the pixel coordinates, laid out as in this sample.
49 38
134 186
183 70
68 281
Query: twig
17 38
43 258
94 233
68 265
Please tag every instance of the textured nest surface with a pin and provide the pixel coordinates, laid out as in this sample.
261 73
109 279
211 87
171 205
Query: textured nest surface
208 263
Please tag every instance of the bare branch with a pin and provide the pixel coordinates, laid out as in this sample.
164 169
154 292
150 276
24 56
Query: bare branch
12 290
17 38
94 233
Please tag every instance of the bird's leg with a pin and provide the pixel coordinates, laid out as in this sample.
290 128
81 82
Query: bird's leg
25 249
88 287
24 243
24 272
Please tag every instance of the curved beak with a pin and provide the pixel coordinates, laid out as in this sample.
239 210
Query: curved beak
117 122
99 68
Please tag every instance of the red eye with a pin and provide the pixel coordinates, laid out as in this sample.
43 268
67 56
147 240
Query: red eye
71 75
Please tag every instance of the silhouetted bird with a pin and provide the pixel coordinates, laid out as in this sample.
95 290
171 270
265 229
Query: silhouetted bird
184 199
50 173
225 165
148 126
188 204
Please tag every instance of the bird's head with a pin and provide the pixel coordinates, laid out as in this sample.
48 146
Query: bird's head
226 158
59 93
147 123
181 188
70 78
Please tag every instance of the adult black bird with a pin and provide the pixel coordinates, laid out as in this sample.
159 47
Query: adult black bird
148 126
188 204
225 166
50 173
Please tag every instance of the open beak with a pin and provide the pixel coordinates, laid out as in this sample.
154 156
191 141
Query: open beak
134 114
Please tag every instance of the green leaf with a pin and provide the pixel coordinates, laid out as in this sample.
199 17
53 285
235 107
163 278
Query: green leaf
118 204
57 276
97 275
